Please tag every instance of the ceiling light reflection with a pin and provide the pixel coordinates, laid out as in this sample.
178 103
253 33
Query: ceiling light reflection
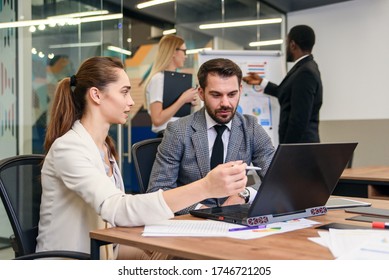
240 23
266 43
152 3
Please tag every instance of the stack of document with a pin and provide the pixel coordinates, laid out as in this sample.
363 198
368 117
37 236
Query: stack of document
355 244
209 228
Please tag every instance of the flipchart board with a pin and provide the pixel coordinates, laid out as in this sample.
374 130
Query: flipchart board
269 65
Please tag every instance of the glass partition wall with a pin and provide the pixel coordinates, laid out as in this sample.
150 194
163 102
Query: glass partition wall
46 40
73 32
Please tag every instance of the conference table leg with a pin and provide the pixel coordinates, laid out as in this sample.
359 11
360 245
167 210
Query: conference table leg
95 248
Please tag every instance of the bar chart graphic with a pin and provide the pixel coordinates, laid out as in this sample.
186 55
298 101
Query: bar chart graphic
8 91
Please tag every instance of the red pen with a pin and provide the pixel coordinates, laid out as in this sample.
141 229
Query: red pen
381 225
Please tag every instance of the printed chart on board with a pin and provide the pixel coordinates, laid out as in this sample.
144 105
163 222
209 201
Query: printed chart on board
253 101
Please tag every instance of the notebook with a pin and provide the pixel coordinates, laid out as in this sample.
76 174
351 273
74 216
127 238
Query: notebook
368 219
338 202
297 184
369 211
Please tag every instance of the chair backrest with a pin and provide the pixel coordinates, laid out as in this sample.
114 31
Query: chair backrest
143 154
20 191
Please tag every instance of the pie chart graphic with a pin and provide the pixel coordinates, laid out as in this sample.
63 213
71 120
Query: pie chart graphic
256 111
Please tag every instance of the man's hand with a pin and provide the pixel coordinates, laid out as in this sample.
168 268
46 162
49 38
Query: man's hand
233 199
252 79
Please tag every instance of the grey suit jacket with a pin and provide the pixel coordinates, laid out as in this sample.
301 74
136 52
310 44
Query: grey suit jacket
183 155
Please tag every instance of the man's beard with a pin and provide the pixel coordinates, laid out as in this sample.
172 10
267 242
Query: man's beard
289 56
214 116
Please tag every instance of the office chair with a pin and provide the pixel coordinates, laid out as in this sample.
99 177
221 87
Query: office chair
143 154
20 191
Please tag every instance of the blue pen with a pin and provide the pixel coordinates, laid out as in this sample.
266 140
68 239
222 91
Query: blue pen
247 228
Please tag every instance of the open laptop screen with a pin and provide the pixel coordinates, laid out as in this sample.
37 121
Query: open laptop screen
298 183
301 176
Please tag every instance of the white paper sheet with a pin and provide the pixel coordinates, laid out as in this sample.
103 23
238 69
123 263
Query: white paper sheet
356 244
204 228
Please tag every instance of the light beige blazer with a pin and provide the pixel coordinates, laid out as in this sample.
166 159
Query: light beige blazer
78 196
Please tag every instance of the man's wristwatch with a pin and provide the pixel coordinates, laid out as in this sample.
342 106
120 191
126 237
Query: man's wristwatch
245 195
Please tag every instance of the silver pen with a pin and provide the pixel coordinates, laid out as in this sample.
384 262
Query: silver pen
253 168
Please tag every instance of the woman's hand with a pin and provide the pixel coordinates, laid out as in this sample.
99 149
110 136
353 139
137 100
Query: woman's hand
189 95
196 100
226 179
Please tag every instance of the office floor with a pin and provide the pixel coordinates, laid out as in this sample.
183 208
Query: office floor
6 254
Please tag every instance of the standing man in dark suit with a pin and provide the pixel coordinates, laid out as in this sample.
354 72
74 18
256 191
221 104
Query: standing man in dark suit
187 148
300 94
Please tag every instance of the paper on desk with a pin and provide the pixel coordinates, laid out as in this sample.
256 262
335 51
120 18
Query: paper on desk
376 248
323 240
187 228
274 228
353 244
204 228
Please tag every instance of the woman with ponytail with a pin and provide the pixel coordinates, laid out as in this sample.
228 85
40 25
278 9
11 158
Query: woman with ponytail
82 186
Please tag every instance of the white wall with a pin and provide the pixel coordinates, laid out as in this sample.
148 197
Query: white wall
352 50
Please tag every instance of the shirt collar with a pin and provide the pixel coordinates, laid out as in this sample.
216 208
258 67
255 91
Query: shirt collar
301 58
211 122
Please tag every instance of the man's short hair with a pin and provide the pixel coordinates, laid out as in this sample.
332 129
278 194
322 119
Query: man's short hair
303 36
223 67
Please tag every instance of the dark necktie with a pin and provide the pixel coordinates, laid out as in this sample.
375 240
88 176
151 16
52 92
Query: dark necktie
217 156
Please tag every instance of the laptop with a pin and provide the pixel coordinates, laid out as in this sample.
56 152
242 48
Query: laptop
339 203
297 184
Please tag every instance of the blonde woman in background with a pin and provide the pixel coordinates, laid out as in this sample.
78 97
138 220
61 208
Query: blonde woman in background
171 55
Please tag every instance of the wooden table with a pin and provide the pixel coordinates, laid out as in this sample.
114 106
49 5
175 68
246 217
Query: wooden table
291 245
370 182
